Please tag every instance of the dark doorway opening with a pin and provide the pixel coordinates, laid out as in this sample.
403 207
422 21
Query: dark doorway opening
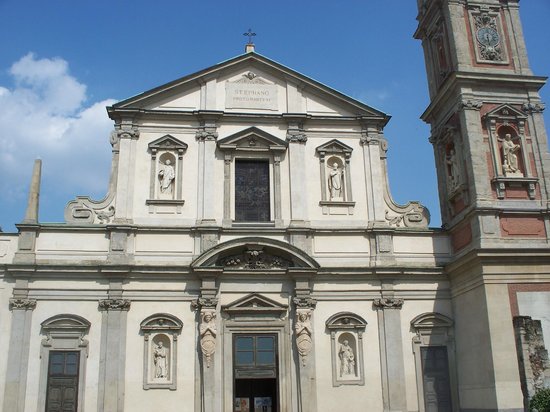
255 382
436 382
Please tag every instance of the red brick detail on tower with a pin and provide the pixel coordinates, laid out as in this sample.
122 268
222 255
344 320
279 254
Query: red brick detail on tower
522 226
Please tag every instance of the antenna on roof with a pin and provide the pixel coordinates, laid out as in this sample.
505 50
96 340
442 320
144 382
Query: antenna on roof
249 48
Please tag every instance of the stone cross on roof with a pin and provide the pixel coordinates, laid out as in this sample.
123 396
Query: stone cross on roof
250 34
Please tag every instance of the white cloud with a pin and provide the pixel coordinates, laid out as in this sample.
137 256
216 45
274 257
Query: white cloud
45 114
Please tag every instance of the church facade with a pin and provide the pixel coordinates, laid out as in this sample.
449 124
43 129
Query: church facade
248 255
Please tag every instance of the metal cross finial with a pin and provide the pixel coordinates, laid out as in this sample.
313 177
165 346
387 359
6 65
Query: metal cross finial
250 35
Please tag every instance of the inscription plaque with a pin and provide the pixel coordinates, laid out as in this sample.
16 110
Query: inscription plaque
250 93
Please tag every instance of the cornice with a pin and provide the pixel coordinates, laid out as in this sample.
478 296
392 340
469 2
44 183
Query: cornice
462 78
198 115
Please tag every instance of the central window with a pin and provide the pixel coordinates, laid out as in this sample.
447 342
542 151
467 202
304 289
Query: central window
252 197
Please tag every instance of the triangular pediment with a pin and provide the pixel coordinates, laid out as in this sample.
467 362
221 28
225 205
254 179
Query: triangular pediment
168 142
506 111
334 146
255 304
253 139
250 83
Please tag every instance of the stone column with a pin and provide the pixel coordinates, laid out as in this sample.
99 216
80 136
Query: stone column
112 356
391 353
205 305
18 353
303 334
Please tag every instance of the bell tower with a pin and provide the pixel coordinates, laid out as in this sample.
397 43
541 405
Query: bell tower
487 128
493 168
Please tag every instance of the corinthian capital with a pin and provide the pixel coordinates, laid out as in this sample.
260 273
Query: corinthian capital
22 304
470 104
114 304
296 136
388 303
533 107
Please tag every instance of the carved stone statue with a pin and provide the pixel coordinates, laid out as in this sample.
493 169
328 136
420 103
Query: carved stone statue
160 358
167 176
335 179
208 333
347 359
454 176
303 331
509 150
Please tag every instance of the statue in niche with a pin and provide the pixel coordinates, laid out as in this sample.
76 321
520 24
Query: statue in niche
335 180
347 359
208 333
509 151
160 358
166 177
303 331
454 170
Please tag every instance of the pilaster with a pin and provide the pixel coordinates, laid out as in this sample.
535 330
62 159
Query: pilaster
112 364
391 352
304 337
127 134
207 198
18 350
373 156
206 307
297 138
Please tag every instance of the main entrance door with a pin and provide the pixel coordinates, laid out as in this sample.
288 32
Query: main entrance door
255 374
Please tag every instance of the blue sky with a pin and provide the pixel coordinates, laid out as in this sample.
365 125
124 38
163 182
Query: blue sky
62 62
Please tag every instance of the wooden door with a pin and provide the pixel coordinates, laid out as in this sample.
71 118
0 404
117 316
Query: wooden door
62 392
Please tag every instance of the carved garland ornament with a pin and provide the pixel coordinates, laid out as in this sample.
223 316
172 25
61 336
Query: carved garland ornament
254 258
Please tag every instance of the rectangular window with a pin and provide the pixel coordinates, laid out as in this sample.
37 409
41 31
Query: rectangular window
252 197
62 392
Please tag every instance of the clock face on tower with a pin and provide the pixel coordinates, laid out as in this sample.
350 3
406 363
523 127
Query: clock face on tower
488 36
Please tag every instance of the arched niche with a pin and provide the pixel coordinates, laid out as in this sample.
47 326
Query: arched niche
346 333
160 333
